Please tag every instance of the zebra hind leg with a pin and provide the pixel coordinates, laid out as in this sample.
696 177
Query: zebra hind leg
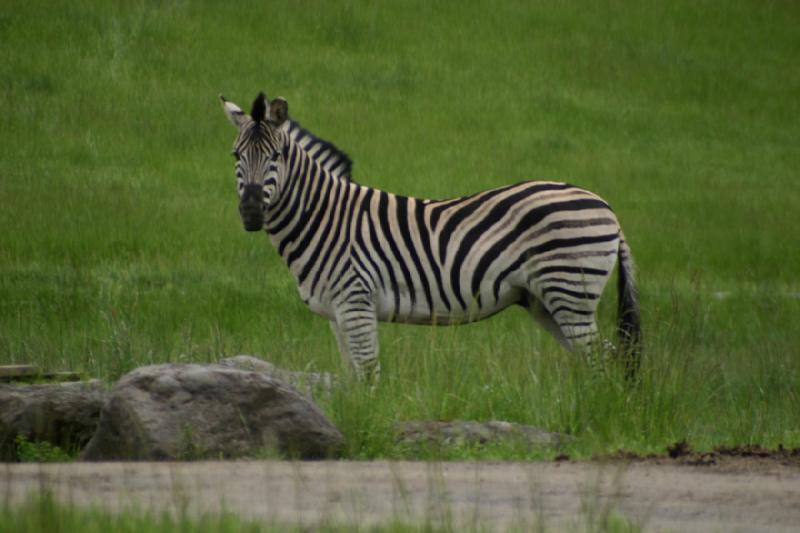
574 330
543 317
356 330
582 334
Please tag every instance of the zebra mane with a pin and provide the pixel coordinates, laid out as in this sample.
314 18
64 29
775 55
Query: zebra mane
336 162
259 111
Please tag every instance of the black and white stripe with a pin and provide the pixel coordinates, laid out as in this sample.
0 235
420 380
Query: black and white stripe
361 255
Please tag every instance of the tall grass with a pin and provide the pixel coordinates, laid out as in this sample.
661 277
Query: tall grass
121 244
43 513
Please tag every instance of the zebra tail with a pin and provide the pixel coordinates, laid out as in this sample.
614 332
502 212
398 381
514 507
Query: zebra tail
629 319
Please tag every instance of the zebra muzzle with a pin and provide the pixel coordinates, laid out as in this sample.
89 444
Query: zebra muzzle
251 207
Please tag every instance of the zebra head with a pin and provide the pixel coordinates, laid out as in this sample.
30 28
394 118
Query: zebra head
260 150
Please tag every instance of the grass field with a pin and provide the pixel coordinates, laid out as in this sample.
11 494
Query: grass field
121 243
42 513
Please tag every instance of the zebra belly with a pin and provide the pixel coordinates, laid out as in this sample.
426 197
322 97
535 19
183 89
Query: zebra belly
421 313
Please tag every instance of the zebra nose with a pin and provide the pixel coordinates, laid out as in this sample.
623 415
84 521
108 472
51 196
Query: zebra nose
252 194
251 207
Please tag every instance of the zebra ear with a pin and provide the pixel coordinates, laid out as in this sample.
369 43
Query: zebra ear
233 112
278 111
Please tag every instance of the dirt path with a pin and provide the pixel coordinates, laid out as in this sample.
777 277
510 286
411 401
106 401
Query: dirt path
745 497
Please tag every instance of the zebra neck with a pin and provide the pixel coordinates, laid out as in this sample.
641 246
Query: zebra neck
311 210
325 152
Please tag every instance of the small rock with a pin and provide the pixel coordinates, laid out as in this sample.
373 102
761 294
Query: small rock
460 433
63 414
191 411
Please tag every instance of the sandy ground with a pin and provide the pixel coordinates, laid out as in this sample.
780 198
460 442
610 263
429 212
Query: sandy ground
743 497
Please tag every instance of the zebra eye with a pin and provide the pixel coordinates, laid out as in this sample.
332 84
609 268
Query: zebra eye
235 155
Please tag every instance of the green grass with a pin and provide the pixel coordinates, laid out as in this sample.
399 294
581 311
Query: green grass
121 243
42 513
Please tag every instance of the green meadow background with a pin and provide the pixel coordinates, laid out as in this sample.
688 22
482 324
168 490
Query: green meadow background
121 245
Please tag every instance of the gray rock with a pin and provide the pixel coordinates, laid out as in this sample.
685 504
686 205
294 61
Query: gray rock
460 433
63 414
190 411
310 383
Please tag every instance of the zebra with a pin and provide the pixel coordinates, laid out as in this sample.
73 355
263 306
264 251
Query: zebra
360 255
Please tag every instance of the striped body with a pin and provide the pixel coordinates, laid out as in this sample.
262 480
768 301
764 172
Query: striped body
449 261
360 255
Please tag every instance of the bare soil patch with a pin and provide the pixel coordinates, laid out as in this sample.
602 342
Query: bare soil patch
741 458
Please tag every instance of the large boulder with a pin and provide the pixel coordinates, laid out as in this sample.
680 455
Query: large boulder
63 414
191 411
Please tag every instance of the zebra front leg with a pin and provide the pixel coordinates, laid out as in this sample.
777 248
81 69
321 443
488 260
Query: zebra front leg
341 343
356 330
